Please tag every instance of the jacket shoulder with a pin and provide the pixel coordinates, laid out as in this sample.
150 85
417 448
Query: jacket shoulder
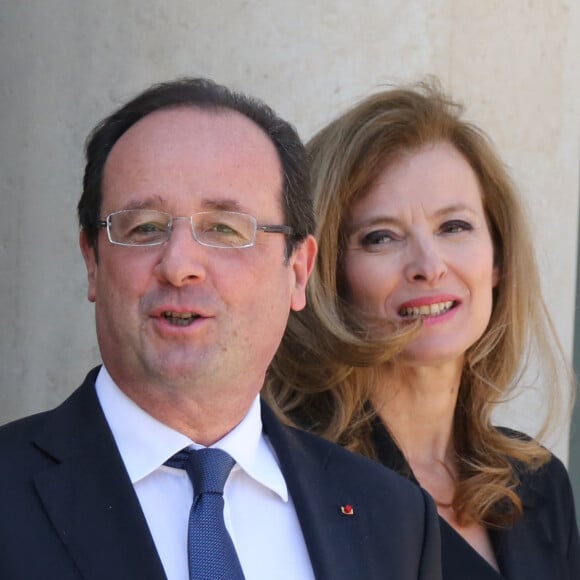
18 439
354 469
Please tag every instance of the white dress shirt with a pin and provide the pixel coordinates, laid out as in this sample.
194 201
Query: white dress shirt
259 514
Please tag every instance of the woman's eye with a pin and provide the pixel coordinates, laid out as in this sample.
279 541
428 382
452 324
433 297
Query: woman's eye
379 237
456 227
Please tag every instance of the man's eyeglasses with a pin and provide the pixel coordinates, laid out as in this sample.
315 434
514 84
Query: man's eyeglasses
216 229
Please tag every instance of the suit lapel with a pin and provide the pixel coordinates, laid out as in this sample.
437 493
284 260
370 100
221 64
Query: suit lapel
88 495
335 541
529 537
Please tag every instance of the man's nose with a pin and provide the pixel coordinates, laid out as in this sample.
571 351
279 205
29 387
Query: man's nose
426 262
183 259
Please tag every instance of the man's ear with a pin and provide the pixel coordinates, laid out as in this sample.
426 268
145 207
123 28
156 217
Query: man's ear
89 255
302 262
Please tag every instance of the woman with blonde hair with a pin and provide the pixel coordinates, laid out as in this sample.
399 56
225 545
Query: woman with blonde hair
425 311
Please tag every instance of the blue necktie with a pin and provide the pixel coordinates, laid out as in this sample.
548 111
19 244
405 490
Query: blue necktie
211 552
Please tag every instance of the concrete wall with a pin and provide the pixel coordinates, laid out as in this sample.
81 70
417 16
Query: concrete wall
66 63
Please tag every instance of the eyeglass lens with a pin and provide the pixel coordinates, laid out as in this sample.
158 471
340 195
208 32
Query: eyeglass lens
144 227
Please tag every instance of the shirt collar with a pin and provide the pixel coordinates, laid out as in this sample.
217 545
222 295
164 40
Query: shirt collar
145 443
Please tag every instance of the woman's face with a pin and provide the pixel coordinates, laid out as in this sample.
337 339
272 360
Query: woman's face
419 247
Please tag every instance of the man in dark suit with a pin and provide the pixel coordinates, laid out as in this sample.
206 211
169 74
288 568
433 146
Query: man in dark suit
196 230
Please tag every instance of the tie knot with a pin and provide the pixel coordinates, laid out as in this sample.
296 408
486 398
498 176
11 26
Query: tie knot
207 468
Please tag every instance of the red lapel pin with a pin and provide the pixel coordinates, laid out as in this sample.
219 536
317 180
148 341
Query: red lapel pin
347 510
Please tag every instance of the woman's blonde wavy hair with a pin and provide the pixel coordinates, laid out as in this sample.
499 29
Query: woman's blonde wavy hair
323 375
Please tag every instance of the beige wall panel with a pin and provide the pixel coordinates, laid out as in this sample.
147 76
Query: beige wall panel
67 63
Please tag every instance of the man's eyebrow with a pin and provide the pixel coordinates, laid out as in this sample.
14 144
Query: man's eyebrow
158 202
224 204
153 202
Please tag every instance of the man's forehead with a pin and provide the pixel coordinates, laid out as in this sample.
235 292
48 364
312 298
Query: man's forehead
191 123
208 149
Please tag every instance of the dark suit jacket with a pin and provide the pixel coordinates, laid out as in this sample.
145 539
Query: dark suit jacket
542 545
68 510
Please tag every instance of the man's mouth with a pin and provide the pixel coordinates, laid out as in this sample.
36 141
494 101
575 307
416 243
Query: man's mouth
427 310
180 318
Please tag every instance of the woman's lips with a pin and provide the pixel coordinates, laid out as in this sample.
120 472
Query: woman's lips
426 310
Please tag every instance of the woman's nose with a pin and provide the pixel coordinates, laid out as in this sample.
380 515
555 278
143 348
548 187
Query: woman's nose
426 263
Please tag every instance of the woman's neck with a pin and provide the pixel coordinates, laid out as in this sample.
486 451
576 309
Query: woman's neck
417 404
